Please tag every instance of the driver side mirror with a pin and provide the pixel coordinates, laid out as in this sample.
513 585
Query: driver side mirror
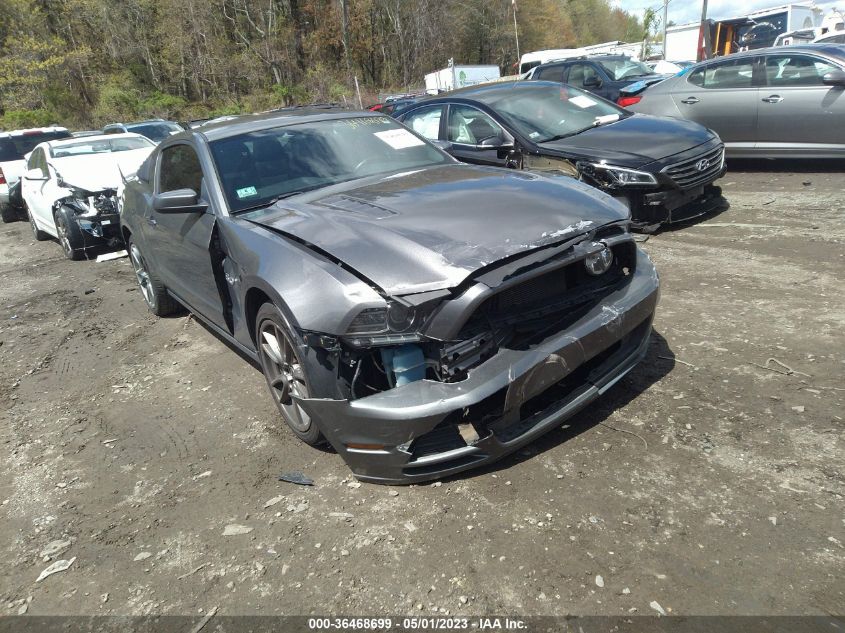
179 201
495 142
593 81
35 174
446 146
834 78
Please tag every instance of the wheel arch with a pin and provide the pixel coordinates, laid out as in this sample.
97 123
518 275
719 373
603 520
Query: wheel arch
257 294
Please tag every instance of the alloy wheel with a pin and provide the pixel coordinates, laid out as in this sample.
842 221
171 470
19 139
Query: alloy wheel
64 240
284 374
33 226
142 275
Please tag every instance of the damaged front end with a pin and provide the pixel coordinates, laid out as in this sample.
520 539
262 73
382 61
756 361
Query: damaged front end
676 189
95 212
437 382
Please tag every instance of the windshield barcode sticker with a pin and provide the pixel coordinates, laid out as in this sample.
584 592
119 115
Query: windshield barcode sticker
246 192
399 139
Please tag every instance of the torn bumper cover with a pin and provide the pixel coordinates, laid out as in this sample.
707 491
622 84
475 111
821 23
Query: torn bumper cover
418 431
95 213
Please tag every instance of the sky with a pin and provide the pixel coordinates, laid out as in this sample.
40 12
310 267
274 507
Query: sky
683 11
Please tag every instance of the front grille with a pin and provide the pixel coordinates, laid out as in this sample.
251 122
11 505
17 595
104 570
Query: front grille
687 174
567 289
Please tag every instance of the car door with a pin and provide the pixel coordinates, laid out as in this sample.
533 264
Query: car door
796 107
549 73
179 243
723 96
426 121
587 76
35 190
476 137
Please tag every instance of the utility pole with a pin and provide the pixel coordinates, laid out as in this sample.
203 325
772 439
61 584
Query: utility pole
516 33
665 24
703 34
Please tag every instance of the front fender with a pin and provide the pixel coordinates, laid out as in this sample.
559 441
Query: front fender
313 293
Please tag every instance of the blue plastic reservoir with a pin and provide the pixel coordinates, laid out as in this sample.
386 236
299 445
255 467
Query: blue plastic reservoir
405 363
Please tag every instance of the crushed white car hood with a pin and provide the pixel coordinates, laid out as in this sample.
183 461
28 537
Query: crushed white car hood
96 172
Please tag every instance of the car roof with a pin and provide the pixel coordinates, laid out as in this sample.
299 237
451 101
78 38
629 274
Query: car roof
831 50
34 130
255 122
126 124
488 92
586 58
87 139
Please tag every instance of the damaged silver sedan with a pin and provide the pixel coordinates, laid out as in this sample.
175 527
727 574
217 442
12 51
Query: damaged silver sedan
421 315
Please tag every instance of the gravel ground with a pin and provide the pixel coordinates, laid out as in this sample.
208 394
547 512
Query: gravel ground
708 481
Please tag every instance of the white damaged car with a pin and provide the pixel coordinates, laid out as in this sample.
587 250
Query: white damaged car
70 188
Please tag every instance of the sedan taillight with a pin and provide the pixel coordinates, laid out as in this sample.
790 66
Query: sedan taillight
628 101
2 177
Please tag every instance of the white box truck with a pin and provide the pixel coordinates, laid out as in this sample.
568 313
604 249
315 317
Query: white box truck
454 77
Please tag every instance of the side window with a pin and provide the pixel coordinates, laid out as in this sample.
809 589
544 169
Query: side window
38 161
737 73
33 160
426 122
583 76
470 126
550 73
179 168
524 68
796 70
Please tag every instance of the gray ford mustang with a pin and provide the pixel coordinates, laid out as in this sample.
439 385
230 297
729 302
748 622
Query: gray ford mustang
421 315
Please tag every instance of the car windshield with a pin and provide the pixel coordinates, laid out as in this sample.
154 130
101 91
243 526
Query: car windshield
155 131
625 69
545 112
100 146
259 167
17 146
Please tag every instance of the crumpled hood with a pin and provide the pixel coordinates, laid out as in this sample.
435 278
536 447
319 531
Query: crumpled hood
653 137
432 228
96 172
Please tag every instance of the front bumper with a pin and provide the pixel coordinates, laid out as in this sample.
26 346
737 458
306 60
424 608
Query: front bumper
532 391
104 227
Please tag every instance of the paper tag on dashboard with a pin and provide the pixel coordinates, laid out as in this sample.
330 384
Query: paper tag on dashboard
583 101
399 139
246 192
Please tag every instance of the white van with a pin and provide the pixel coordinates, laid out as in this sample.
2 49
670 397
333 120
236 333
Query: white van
530 60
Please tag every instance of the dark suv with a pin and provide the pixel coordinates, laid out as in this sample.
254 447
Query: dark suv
154 129
604 75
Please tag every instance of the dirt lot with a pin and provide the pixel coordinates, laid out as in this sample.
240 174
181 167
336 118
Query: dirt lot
702 482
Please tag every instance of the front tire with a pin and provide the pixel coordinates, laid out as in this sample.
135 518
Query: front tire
285 373
70 235
8 214
40 235
154 292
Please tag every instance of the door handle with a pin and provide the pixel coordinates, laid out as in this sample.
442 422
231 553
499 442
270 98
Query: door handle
690 100
773 99
151 221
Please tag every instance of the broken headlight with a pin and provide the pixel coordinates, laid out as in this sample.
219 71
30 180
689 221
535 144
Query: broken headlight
615 176
388 325
599 263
